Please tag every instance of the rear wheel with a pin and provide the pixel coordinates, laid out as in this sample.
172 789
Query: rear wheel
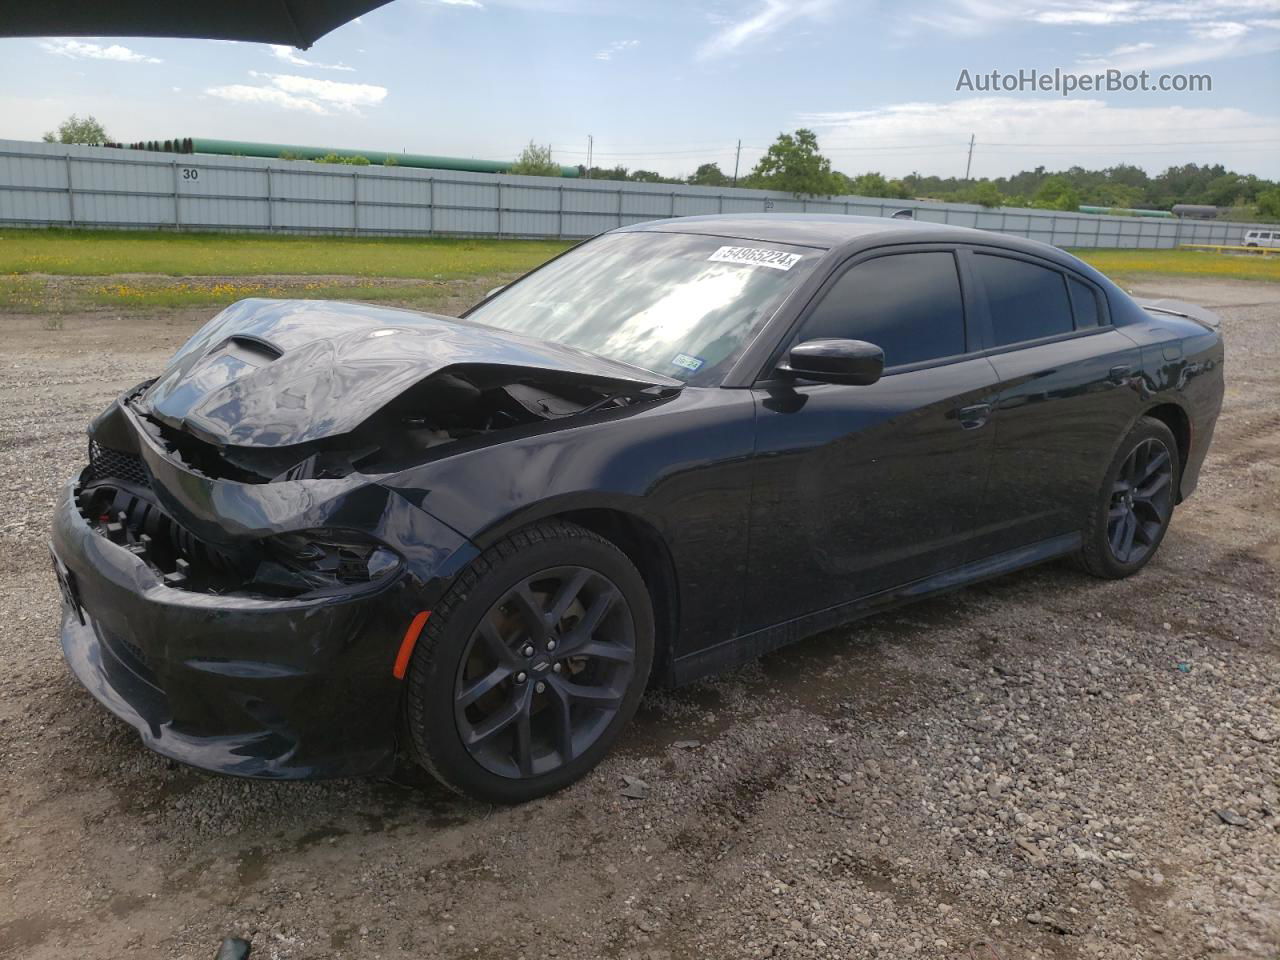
1132 512
531 664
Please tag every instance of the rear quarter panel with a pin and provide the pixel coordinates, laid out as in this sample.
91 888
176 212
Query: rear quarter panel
1182 363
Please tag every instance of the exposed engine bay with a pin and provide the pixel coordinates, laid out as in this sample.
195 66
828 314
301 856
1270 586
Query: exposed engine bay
447 407
289 392
475 405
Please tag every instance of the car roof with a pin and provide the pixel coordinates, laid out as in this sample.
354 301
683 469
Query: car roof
829 231
824 230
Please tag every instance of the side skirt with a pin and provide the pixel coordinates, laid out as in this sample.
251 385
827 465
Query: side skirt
738 650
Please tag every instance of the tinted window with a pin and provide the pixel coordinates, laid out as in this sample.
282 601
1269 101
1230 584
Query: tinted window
908 304
1085 303
1027 302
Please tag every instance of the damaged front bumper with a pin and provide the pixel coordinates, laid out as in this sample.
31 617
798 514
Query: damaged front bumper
270 687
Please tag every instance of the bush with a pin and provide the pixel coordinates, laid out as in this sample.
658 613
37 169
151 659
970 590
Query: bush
356 161
535 161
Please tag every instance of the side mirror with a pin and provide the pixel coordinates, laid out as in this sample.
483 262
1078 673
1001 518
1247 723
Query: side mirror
854 362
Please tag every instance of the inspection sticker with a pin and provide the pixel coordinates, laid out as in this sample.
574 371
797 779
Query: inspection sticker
756 257
686 361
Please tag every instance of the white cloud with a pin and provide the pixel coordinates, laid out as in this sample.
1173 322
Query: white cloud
769 18
1219 30
271 96
1125 49
85 50
290 56
1221 40
1015 133
290 92
1214 29
1105 12
608 52
476 4
978 16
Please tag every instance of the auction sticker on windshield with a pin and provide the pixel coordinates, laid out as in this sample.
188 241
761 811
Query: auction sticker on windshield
756 257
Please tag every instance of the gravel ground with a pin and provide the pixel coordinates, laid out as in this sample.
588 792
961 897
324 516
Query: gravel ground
1046 765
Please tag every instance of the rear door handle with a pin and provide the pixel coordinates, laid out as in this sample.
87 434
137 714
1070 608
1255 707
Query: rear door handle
971 418
1120 373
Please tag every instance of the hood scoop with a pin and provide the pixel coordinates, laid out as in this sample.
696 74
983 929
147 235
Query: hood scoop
267 373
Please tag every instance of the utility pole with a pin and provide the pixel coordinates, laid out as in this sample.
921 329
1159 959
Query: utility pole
969 163
590 145
736 157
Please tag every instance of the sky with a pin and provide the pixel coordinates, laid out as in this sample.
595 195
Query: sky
668 84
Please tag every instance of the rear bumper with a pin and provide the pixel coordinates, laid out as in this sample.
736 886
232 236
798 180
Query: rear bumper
282 689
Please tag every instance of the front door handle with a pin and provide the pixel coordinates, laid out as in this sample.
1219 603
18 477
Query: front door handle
971 418
1120 373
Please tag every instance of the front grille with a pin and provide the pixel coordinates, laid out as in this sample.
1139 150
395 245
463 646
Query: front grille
108 464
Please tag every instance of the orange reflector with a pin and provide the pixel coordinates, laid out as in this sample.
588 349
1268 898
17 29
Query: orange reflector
408 643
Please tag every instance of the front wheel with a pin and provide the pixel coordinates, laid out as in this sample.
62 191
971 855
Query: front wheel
531 664
1131 513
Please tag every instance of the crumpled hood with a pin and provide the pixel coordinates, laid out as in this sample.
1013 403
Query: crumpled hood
275 372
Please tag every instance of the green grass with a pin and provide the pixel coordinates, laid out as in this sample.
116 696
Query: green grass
152 293
106 253
1183 263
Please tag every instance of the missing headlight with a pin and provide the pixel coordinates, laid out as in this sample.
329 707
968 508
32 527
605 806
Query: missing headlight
324 559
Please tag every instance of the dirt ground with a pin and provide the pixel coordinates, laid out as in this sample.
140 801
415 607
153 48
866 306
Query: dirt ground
1046 765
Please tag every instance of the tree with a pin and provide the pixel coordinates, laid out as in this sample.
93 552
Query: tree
1269 203
605 173
535 161
984 193
646 176
794 165
1056 193
709 175
75 130
874 185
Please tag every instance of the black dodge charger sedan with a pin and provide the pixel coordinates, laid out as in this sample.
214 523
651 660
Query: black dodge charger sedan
331 531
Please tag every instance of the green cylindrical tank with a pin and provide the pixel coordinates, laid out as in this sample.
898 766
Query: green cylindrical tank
245 148
1125 212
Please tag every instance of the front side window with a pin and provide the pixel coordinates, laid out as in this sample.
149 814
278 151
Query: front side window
1026 301
907 304
683 305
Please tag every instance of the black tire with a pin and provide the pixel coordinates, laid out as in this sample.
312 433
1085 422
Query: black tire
1130 507
461 631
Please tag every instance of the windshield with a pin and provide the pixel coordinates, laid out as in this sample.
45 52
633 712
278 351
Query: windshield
678 304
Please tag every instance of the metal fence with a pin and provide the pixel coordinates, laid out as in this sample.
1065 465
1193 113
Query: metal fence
55 185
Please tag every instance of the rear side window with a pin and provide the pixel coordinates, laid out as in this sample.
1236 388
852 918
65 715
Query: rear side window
907 304
1027 302
1085 304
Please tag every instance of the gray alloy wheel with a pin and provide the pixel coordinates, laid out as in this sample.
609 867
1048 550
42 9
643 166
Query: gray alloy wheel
545 671
1132 511
531 664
